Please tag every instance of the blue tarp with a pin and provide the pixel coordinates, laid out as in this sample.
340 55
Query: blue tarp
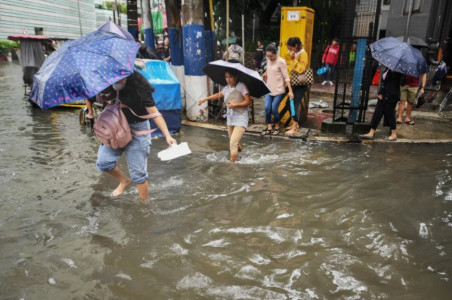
167 87
166 95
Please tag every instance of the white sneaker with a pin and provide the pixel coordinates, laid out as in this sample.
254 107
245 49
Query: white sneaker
330 82
324 82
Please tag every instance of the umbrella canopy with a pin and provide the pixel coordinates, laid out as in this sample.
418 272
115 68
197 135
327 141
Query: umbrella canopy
414 41
253 81
114 28
82 68
399 56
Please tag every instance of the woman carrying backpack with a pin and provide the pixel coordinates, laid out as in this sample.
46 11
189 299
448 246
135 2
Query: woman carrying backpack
135 92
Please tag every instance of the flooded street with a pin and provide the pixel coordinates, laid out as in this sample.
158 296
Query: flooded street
290 220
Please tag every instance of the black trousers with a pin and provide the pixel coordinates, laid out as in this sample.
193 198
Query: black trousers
298 94
385 107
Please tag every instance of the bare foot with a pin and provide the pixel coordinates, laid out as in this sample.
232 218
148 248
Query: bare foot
291 132
121 188
90 116
240 148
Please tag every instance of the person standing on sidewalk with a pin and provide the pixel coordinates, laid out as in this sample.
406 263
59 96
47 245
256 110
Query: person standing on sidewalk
297 60
408 95
388 96
259 55
234 53
277 79
329 59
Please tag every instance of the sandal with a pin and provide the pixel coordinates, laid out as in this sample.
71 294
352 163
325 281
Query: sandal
266 131
410 122
275 131
365 137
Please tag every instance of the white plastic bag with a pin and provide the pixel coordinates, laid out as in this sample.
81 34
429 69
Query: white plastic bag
174 151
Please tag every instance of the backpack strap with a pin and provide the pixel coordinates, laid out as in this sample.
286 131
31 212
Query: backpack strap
148 116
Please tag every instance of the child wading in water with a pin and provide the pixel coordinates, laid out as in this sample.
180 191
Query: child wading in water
237 98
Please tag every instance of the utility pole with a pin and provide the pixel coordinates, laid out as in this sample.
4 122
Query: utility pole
132 16
243 32
407 26
147 24
227 29
194 59
118 12
79 18
176 43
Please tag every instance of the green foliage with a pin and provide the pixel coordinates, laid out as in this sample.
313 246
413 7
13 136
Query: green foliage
7 45
109 6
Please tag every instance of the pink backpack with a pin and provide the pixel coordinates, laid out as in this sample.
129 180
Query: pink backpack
112 129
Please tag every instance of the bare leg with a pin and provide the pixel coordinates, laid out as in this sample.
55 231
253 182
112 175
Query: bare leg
233 157
393 135
143 190
292 122
234 142
294 128
401 109
124 182
409 108
89 105
371 133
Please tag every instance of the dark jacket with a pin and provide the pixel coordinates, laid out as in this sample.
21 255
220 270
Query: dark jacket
390 86
137 94
259 55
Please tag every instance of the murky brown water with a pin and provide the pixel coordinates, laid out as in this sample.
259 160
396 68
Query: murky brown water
291 220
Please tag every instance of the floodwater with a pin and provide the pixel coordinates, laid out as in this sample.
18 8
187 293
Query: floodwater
290 220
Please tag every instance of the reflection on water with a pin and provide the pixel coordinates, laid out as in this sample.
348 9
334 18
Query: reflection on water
290 220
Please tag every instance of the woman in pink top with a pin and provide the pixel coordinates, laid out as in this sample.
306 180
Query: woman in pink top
277 79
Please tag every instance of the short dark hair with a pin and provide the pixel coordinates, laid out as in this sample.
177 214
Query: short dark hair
271 48
294 42
233 72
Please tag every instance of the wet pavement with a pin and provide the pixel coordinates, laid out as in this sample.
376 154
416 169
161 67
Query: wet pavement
291 219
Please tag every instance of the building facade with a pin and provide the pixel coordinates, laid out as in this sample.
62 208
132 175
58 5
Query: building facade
57 19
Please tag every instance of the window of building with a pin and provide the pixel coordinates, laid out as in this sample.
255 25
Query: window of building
39 31
386 2
416 6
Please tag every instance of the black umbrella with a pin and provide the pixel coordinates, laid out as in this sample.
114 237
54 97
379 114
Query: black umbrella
253 81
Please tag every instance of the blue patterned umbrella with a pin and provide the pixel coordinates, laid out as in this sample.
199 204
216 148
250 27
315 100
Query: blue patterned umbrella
113 27
82 68
399 56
